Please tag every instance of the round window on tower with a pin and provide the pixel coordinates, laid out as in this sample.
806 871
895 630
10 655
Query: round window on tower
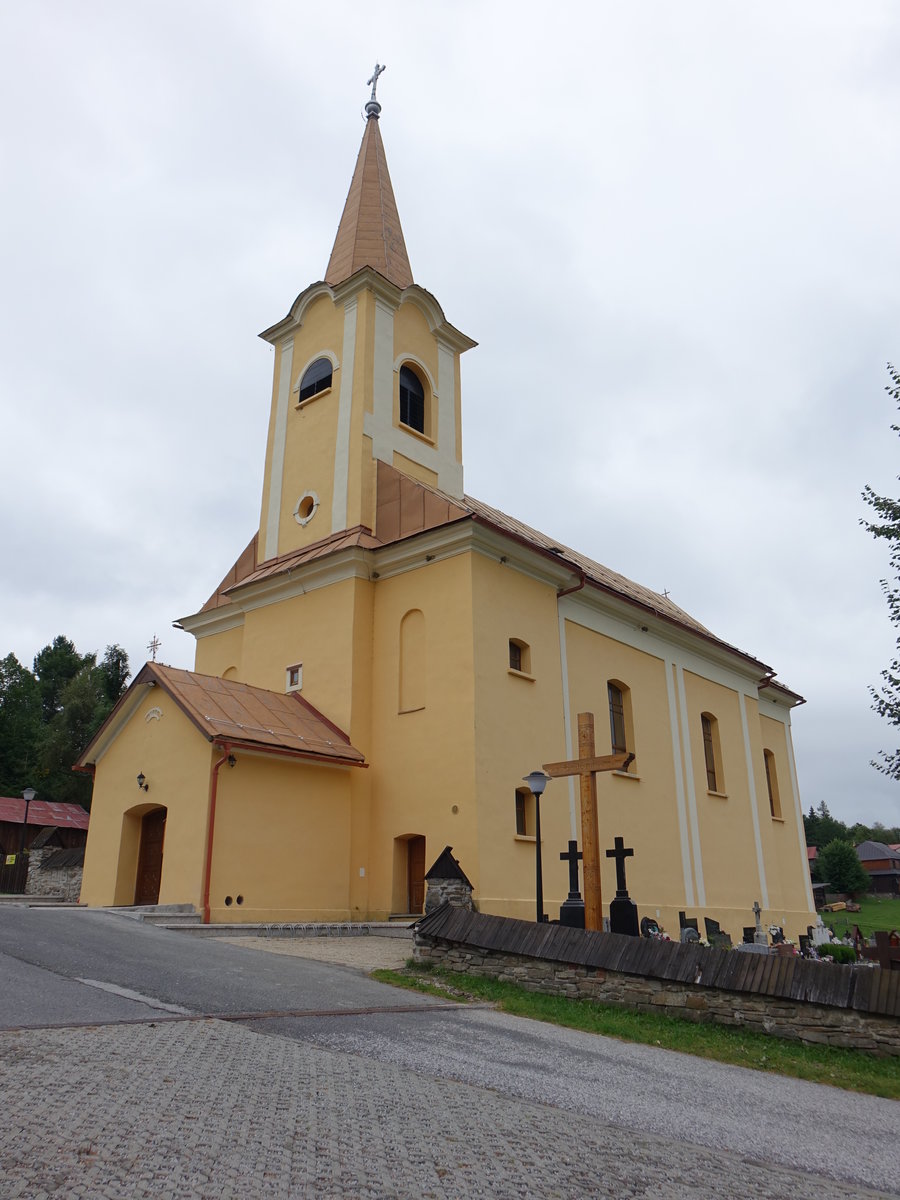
306 508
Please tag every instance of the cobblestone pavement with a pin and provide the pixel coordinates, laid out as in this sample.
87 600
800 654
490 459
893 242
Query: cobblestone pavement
214 1111
368 953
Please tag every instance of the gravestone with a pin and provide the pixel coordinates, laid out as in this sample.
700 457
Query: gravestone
760 937
571 911
819 934
623 913
715 935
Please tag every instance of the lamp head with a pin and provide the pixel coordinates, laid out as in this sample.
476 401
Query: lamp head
537 781
28 795
142 782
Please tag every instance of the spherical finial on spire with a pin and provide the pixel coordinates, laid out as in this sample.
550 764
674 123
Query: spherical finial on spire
373 108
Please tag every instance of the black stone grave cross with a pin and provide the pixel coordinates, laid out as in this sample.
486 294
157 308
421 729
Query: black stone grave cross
620 854
571 911
623 914
573 856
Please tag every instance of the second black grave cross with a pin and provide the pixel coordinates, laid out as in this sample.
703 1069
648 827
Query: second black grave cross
620 854
573 855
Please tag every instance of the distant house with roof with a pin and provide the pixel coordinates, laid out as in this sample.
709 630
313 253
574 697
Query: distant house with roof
882 864
54 838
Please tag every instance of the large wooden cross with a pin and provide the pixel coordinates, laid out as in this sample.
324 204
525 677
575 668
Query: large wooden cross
587 766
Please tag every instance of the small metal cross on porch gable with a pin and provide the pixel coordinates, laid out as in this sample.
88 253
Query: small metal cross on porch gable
587 766
153 645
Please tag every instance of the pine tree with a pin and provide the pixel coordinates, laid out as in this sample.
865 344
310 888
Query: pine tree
886 698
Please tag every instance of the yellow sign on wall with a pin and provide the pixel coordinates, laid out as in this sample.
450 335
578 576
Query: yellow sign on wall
10 860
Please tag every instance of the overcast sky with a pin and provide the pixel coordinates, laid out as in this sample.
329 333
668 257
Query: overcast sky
673 230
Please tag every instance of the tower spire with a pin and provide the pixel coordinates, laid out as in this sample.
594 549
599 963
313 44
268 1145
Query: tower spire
369 233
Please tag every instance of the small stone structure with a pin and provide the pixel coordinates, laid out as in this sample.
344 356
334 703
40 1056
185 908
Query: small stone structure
786 997
55 872
447 884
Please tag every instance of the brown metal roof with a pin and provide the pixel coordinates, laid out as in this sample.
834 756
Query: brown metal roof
405 507
369 234
226 710
44 812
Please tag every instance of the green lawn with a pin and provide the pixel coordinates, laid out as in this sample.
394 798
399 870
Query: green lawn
876 912
848 1069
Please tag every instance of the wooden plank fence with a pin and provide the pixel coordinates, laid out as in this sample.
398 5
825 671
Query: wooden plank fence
869 990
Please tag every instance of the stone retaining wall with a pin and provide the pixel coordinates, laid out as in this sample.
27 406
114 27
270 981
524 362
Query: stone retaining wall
794 1020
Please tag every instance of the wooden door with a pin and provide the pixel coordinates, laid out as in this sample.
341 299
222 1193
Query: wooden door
415 850
149 872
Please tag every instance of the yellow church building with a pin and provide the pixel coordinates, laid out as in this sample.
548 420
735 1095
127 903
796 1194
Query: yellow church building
388 657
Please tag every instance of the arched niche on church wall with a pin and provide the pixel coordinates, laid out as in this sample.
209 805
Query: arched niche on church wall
412 661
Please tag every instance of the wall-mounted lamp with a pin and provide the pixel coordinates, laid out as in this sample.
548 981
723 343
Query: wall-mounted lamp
142 782
231 760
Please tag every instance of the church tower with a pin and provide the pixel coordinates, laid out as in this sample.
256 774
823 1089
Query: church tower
366 370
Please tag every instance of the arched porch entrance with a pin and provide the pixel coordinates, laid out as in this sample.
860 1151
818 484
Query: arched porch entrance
150 856
409 873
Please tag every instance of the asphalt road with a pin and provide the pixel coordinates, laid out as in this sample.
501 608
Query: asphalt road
423 1078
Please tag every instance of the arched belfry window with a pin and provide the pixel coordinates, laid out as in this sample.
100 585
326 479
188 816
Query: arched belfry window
412 400
316 378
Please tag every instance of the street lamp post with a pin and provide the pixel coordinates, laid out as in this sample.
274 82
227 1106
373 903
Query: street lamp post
537 781
28 795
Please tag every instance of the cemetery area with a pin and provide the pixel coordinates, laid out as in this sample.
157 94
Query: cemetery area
875 912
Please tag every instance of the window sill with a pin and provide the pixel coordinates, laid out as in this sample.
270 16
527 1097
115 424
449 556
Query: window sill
423 437
526 837
312 399
418 708
626 775
520 674
717 795
780 820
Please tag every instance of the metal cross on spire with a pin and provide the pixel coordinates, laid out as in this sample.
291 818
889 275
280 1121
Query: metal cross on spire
153 645
373 108
374 80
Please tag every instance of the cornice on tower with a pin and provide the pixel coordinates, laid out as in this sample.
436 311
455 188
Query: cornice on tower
369 234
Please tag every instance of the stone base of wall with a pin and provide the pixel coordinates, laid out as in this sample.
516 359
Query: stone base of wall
794 1020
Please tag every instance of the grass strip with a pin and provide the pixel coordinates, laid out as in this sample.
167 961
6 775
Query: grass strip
852 1070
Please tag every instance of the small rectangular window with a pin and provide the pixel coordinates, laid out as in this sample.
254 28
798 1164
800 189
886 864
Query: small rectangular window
294 678
617 719
519 656
524 813
709 751
772 784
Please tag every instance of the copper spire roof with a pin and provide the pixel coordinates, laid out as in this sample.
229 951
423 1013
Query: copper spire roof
369 234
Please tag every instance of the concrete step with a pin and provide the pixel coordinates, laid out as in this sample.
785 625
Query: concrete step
159 914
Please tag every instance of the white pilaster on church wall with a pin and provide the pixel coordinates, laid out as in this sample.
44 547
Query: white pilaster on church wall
680 804
279 438
345 406
567 721
691 784
383 381
754 811
450 472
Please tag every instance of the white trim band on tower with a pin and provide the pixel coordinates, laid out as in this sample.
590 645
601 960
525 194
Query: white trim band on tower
279 439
